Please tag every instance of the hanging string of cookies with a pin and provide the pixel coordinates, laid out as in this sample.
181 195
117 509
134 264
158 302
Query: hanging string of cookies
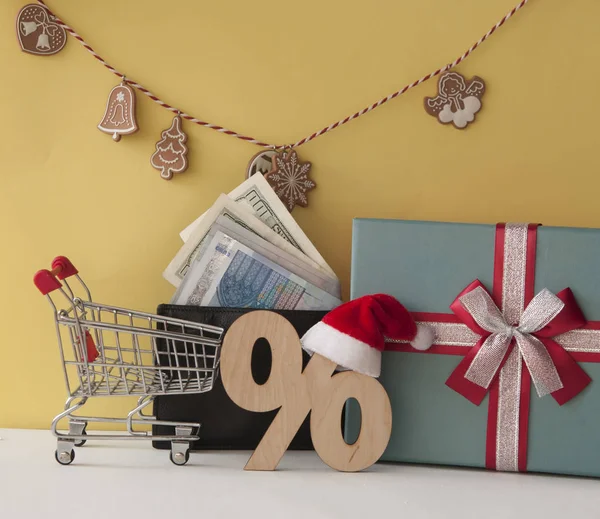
41 32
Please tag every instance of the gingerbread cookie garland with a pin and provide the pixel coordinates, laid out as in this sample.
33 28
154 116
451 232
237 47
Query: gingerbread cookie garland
289 179
38 33
171 152
119 116
457 101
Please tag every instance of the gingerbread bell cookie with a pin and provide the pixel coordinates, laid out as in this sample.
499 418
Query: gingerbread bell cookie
457 101
119 115
37 31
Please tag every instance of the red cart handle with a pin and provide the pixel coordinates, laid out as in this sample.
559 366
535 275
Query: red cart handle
46 280
63 268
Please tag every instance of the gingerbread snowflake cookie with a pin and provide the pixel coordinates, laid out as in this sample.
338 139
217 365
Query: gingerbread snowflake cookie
457 101
289 179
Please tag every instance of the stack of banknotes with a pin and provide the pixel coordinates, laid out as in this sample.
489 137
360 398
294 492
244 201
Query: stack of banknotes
247 251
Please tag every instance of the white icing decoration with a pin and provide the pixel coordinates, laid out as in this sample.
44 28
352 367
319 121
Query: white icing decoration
463 116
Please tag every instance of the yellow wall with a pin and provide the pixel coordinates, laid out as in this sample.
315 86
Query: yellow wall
277 70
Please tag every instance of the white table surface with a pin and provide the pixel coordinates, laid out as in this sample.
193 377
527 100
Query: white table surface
131 479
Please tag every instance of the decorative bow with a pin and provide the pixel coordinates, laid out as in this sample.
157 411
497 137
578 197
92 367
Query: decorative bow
552 369
43 20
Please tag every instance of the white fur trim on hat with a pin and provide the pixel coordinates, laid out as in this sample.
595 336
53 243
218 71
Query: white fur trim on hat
424 338
339 347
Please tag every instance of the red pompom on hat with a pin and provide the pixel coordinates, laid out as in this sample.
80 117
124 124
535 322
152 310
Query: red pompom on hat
353 334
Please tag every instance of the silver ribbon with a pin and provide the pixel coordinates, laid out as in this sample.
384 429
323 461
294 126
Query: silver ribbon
542 309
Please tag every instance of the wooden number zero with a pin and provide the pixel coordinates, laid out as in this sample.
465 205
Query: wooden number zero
295 393
376 422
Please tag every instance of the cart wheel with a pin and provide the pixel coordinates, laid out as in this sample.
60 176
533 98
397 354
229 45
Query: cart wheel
81 443
65 457
77 428
179 458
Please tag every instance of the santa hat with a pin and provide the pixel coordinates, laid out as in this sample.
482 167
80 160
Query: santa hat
353 334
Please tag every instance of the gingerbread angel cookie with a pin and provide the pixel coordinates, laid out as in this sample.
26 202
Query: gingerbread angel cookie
457 101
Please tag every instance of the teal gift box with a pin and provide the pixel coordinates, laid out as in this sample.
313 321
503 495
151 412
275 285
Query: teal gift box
467 401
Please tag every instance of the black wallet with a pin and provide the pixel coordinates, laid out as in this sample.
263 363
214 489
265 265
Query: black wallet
224 424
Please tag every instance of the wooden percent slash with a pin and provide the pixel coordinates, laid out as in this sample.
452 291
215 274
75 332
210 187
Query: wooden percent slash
297 393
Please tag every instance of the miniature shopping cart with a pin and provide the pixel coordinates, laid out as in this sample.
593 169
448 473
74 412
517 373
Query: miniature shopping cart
108 351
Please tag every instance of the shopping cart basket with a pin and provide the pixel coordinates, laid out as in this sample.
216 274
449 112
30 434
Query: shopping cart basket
108 351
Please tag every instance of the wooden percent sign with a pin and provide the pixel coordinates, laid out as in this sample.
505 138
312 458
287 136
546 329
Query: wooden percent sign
296 393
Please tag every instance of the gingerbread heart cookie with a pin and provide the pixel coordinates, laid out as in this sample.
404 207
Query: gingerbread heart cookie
37 31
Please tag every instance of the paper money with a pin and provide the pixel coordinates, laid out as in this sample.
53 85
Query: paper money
229 274
291 263
257 195
225 206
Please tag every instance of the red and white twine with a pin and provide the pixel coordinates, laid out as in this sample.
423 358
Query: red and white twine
322 131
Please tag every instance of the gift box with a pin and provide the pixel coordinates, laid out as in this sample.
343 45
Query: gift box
512 381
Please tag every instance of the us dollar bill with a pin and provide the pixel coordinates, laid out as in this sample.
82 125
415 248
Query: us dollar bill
258 196
225 207
290 262
229 274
